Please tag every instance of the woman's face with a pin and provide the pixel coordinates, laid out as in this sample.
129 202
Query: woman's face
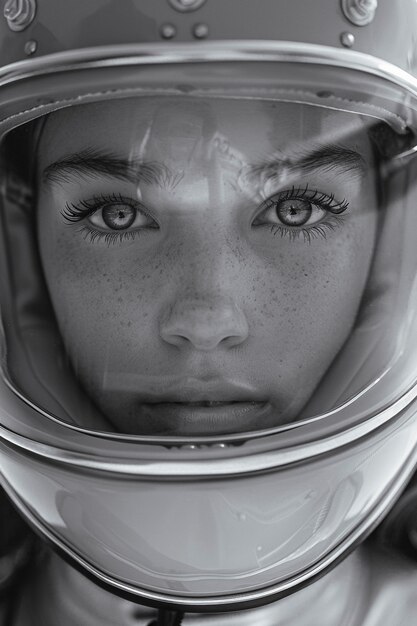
205 259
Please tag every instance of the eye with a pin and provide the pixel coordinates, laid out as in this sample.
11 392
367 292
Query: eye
120 216
301 210
290 212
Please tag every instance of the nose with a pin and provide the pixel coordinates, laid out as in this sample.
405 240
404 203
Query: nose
204 324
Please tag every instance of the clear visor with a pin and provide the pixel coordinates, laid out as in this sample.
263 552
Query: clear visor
209 315
191 267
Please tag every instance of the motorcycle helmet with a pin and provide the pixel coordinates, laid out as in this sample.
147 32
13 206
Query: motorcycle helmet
208 296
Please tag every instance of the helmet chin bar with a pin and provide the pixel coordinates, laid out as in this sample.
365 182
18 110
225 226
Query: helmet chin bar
172 605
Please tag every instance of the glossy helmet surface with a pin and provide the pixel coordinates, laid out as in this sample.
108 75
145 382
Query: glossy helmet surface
212 523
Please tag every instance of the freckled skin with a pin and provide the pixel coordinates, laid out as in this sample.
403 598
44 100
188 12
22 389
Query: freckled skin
207 293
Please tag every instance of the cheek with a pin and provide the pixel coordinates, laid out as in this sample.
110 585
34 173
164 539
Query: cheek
310 297
102 298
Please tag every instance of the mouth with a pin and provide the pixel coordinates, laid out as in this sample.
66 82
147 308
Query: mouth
197 410
191 406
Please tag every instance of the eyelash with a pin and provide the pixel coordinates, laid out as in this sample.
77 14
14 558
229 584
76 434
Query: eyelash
74 213
322 200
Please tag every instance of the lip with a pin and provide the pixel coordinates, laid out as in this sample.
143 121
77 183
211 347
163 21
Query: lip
200 418
159 387
188 390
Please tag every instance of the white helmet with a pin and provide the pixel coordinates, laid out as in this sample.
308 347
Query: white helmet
200 413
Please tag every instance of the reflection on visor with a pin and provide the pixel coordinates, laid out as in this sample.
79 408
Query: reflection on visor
202 266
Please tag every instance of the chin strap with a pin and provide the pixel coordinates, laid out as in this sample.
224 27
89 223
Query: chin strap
168 618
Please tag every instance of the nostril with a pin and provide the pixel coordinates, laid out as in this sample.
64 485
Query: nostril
234 340
200 342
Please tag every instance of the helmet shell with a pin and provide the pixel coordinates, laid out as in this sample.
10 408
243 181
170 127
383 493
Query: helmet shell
53 471
62 26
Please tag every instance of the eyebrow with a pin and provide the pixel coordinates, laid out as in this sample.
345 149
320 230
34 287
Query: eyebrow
94 164
326 158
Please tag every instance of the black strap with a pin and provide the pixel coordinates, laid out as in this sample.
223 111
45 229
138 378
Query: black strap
168 618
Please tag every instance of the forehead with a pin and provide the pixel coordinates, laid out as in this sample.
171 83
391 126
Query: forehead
255 128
